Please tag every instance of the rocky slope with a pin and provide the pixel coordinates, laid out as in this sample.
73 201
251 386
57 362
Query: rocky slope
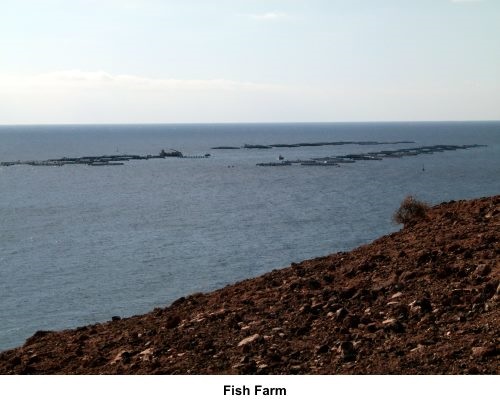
422 300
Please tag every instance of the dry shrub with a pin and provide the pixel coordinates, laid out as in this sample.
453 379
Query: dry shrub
411 211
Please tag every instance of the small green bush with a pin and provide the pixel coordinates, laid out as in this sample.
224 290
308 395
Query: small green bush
411 211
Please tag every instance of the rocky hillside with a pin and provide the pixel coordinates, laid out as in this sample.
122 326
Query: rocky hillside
422 300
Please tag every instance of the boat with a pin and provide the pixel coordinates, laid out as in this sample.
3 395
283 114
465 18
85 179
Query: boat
174 153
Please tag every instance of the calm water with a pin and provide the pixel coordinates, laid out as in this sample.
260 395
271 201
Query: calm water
80 244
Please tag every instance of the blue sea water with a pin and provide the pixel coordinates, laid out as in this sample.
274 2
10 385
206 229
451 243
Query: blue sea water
80 244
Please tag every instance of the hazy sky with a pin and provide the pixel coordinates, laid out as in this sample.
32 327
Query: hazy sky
122 61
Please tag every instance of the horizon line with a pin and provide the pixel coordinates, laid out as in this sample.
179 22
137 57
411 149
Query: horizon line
256 123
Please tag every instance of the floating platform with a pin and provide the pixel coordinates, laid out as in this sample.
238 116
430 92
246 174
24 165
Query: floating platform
371 156
283 163
101 160
318 163
247 146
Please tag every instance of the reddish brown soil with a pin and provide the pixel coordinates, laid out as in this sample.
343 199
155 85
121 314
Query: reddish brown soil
422 300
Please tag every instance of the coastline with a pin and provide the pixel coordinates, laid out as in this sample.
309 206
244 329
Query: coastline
423 300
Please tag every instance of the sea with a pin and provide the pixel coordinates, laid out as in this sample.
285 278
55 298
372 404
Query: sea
81 244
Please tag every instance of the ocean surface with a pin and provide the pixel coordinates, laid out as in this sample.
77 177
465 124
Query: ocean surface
80 244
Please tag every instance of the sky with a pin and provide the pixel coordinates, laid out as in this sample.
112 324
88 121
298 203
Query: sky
199 61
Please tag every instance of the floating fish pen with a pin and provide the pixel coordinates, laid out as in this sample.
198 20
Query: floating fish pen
336 143
380 155
275 164
44 163
101 160
247 146
361 157
336 159
117 160
106 164
285 145
196 156
317 163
